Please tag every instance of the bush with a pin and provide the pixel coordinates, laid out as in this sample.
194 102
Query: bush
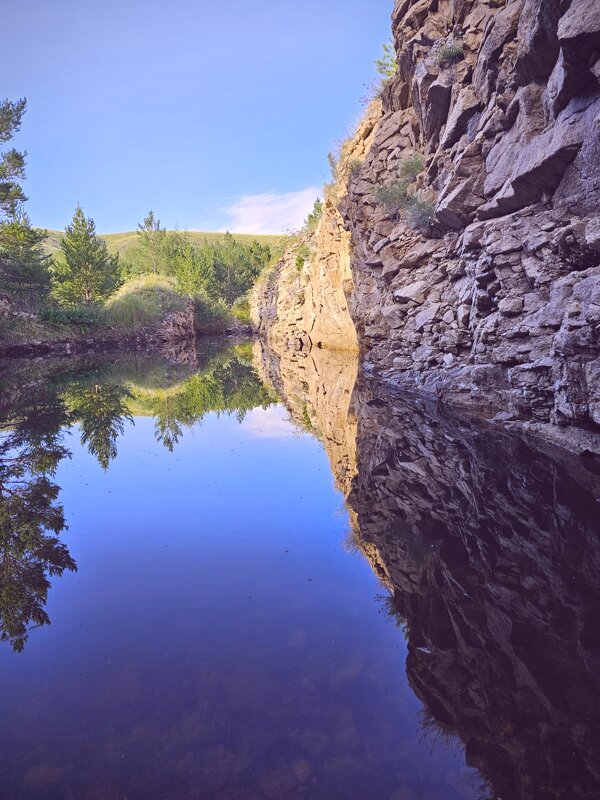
302 255
354 168
393 195
411 167
143 302
241 310
400 197
419 213
80 315
211 316
449 53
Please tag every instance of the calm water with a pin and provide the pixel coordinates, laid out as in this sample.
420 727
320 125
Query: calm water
207 594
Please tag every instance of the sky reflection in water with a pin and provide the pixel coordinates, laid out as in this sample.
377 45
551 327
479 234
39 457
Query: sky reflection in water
216 639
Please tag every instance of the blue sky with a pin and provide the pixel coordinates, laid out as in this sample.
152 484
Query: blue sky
215 115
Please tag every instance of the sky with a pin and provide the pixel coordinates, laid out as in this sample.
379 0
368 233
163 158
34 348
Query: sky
215 115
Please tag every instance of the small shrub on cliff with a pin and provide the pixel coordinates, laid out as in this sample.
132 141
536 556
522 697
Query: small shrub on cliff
393 195
397 194
387 65
411 167
302 255
400 196
314 217
354 168
420 212
449 53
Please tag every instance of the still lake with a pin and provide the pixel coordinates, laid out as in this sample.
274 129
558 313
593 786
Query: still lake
198 601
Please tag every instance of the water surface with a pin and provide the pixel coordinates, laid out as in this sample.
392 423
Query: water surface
215 638
208 592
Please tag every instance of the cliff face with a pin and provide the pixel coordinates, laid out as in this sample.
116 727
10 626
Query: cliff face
304 301
496 303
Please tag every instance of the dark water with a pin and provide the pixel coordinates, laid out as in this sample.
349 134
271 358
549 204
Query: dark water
191 608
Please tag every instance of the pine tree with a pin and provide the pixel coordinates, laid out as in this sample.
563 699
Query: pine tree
152 239
86 272
24 267
12 163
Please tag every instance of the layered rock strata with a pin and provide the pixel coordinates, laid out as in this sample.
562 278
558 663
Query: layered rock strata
496 303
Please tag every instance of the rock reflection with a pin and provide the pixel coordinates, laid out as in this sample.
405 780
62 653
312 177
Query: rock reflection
40 401
489 546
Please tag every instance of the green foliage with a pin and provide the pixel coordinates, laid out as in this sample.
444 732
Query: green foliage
143 302
420 212
302 255
314 217
222 270
387 65
241 310
24 266
12 163
101 411
30 518
393 195
333 162
77 316
85 273
354 168
400 196
449 53
211 316
152 241
411 167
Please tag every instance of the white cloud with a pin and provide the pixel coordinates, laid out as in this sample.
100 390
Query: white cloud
269 423
271 212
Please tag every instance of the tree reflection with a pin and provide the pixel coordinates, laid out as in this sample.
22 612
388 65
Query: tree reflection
101 411
227 384
30 517
101 399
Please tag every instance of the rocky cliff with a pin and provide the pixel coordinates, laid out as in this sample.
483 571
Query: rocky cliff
482 283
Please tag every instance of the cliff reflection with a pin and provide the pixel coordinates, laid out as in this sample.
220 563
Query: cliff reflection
40 402
489 547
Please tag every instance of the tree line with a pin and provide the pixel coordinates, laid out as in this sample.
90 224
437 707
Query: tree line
84 272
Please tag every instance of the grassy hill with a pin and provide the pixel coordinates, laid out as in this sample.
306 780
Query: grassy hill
121 242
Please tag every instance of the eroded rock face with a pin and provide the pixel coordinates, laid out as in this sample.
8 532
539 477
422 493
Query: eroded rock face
497 304
303 302
506 315
490 547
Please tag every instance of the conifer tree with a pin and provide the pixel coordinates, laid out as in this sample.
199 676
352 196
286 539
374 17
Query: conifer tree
85 272
152 238
24 267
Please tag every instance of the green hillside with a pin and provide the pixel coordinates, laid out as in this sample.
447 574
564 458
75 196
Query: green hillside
121 242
